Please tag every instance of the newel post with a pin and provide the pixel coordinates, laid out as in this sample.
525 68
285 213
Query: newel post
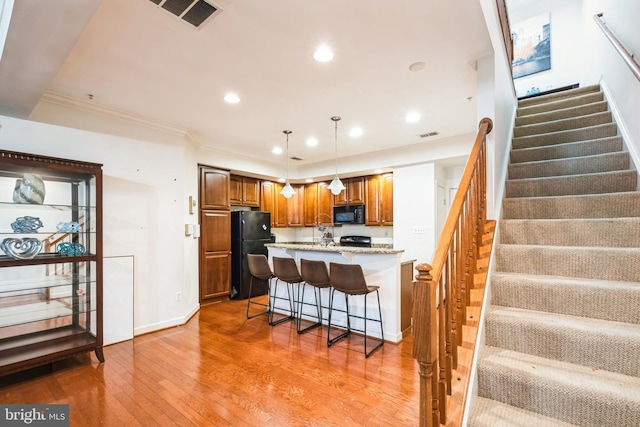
425 344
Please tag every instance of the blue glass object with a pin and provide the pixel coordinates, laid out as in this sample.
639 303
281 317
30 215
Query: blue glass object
26 224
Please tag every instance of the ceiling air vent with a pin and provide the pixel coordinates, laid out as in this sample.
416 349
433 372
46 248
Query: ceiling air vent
195 12
295 158
428 134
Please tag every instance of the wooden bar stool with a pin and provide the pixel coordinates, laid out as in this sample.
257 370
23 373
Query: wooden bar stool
349 279
314 274
260 270
285 270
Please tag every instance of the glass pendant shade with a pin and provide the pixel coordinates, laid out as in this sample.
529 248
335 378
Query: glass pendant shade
287 191
336 185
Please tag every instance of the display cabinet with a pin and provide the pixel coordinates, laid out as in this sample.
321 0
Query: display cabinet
50 260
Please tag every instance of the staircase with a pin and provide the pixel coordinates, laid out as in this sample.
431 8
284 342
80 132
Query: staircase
562 334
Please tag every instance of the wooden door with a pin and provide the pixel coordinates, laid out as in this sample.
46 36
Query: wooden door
325 204
266 199
235 190
355 190
310 204
295 207
215 254
215 234
214 188
386 199
372 209
250 191
279 212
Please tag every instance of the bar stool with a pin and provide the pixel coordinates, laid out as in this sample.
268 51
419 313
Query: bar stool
314 274
260 270
285 270
349 279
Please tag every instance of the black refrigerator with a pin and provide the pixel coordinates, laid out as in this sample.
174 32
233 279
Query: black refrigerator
250 230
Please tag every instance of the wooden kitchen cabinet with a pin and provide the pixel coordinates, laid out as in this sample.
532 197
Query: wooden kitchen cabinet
272 201
215 234
379 200
295 206
318 204
353 194
244 191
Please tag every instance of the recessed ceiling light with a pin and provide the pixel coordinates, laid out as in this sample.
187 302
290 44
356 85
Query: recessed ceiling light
312 142
276 150
412 117
323 54
232 98
355 132
417 66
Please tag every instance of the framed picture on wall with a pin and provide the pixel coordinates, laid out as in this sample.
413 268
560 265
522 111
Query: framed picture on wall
531 46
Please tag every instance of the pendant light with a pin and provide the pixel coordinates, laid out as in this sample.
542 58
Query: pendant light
287 191
336 185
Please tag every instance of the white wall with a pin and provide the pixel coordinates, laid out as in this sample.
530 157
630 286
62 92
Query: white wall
565 18
604 64
144 210
414 195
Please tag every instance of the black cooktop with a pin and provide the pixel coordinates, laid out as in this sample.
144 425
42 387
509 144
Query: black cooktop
356 241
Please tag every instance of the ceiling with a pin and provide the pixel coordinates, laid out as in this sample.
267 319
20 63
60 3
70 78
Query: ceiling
136 58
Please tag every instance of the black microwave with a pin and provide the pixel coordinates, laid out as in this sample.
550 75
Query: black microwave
353 214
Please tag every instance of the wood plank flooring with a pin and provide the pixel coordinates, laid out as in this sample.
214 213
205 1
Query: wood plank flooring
223 370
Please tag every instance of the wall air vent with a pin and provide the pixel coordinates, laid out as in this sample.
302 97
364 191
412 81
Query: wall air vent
428 134
195 12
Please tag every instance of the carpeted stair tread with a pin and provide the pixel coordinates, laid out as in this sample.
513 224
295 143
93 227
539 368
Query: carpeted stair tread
570 166
564 113
559 104
593 183
611 205
491 413
564 124
606 232
621 264
555 96
600 344
570 149
575 394
617 301
562 136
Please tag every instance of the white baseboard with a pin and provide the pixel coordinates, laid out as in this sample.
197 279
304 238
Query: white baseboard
169 323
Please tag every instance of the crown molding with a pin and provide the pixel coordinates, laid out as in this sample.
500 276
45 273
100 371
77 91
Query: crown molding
67 101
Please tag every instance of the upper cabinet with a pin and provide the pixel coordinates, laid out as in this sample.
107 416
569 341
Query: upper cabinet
244 191
318 204
379 200
214 188
272 201
353 194
295 206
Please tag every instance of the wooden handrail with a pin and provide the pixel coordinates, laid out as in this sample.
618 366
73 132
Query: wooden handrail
441 290
626 56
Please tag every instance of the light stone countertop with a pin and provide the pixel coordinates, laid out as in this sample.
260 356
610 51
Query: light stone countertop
336 248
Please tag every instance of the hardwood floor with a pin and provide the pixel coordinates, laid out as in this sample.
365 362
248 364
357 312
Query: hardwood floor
223 370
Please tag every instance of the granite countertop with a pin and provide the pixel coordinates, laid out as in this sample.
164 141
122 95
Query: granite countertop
336 248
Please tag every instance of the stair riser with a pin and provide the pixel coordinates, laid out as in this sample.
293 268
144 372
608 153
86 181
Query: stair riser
578 298
564 124
560 104
561 95
589 263
582 110
553 399
612 233
573 149
598 349
599 131
594 206
572 166
613 182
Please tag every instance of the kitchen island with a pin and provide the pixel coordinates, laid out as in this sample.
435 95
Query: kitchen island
381 266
